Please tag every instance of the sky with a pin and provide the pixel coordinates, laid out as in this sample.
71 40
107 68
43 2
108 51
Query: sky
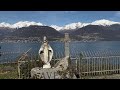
59 18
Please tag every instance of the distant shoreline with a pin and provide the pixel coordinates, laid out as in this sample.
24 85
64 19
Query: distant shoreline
23 41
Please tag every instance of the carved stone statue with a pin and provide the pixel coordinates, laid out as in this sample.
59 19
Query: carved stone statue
46 53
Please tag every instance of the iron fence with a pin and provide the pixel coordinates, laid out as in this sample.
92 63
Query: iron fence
92 66
86 64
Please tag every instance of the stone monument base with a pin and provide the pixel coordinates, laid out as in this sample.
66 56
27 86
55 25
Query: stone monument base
59 71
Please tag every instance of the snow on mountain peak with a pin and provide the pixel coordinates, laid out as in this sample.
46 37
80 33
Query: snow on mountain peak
104 22
56 27
25 24
3 24
71 26
20 24
74 25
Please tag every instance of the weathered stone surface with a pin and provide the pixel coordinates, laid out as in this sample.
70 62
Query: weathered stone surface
59 71
45 73
50 73
62 64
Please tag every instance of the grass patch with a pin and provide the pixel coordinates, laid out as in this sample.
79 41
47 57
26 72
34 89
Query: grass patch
8 71
9 75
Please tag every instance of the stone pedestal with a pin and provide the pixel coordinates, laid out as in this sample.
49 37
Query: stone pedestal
45 73
59 71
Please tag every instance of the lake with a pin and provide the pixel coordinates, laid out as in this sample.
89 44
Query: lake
10 51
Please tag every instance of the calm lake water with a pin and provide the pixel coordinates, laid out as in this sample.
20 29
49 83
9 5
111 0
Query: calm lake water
98 48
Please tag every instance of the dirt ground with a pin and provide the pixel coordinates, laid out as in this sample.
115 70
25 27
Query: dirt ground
114 76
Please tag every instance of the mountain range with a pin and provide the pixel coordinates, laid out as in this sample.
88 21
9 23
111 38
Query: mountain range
97 30
32 31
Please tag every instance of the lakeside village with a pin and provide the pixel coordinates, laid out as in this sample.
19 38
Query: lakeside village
39 39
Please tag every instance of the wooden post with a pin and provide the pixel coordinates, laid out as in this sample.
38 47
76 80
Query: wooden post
19 75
